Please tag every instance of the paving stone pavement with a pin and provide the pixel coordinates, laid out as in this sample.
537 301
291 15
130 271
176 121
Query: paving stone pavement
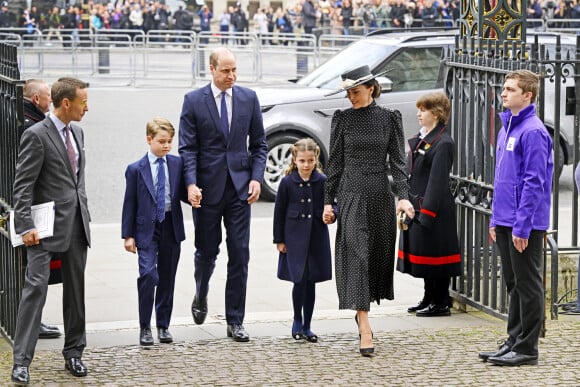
416 357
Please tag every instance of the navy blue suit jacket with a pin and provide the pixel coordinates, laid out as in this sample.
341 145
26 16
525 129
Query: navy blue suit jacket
139 206
207 157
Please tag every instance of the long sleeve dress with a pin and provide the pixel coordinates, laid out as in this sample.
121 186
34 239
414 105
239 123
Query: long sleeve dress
363 143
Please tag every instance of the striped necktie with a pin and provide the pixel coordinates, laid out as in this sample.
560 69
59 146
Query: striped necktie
70 150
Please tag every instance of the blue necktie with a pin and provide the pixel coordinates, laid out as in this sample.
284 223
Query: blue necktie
160 190
224 116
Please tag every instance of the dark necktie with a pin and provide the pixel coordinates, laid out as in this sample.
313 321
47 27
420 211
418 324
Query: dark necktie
160 190
224 116
70 150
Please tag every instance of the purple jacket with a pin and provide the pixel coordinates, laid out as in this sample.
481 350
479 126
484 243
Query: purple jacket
523 174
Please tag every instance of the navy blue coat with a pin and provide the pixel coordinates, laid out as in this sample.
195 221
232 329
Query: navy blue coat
139 204
298 223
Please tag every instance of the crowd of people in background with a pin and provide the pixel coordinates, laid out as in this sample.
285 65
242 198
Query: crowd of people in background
334 16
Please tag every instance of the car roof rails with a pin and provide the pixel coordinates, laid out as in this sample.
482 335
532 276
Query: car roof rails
413 30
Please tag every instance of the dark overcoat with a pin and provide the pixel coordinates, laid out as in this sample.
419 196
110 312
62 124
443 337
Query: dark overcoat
298 223
430 248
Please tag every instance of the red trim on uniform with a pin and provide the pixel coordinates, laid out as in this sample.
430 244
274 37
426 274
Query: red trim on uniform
427 212
424 260
56 264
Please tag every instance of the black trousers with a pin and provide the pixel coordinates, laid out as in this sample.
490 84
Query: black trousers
437 290
523 276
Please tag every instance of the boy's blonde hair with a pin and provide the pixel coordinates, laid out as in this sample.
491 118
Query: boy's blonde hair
157 124
304 145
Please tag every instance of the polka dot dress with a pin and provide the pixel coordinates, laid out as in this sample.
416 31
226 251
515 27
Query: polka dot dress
363 143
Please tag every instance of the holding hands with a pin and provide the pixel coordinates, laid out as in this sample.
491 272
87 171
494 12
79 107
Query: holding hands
407 207
194 195
328 216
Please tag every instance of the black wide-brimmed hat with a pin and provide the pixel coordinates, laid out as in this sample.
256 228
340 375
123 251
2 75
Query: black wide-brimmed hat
356 77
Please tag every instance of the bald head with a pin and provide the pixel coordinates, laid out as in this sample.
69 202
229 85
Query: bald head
38 92
219 53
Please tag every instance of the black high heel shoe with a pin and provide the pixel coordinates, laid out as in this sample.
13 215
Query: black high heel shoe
364 351
367 352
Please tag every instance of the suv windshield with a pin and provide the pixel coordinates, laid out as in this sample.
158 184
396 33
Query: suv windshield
363 52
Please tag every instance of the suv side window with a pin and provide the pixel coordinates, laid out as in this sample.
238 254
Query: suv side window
414 68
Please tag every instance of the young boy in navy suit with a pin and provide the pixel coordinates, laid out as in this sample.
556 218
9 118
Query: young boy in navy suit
152 225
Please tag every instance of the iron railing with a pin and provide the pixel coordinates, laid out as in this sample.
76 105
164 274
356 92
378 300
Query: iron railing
11 117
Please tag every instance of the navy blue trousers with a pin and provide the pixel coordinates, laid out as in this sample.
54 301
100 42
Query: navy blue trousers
157 268
208 236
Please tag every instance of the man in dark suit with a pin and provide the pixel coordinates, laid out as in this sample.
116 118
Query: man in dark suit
223 146
36 102
51 167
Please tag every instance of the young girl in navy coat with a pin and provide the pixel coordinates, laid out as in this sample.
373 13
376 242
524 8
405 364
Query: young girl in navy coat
301 234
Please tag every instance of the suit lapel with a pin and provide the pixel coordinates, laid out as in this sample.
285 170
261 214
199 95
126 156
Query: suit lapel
145 171
212 108
56 139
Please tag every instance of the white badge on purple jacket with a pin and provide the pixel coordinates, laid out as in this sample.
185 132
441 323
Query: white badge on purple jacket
510 144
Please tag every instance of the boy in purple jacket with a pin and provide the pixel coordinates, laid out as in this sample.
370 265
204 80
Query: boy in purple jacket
521 215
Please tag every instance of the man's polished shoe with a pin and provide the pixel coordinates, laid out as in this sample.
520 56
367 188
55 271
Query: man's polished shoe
513 359
20 375
48 332
434 310
75 366
145 337
504 348
421 305
199 310
164 336
238 332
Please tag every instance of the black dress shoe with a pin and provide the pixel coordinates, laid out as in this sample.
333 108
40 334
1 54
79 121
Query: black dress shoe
434 310
513 359
504 348
75 366
48 332
199 310
20 375
238 332
421 305
164 336
145 337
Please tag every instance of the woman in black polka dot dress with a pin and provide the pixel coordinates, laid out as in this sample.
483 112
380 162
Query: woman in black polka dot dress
365 141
